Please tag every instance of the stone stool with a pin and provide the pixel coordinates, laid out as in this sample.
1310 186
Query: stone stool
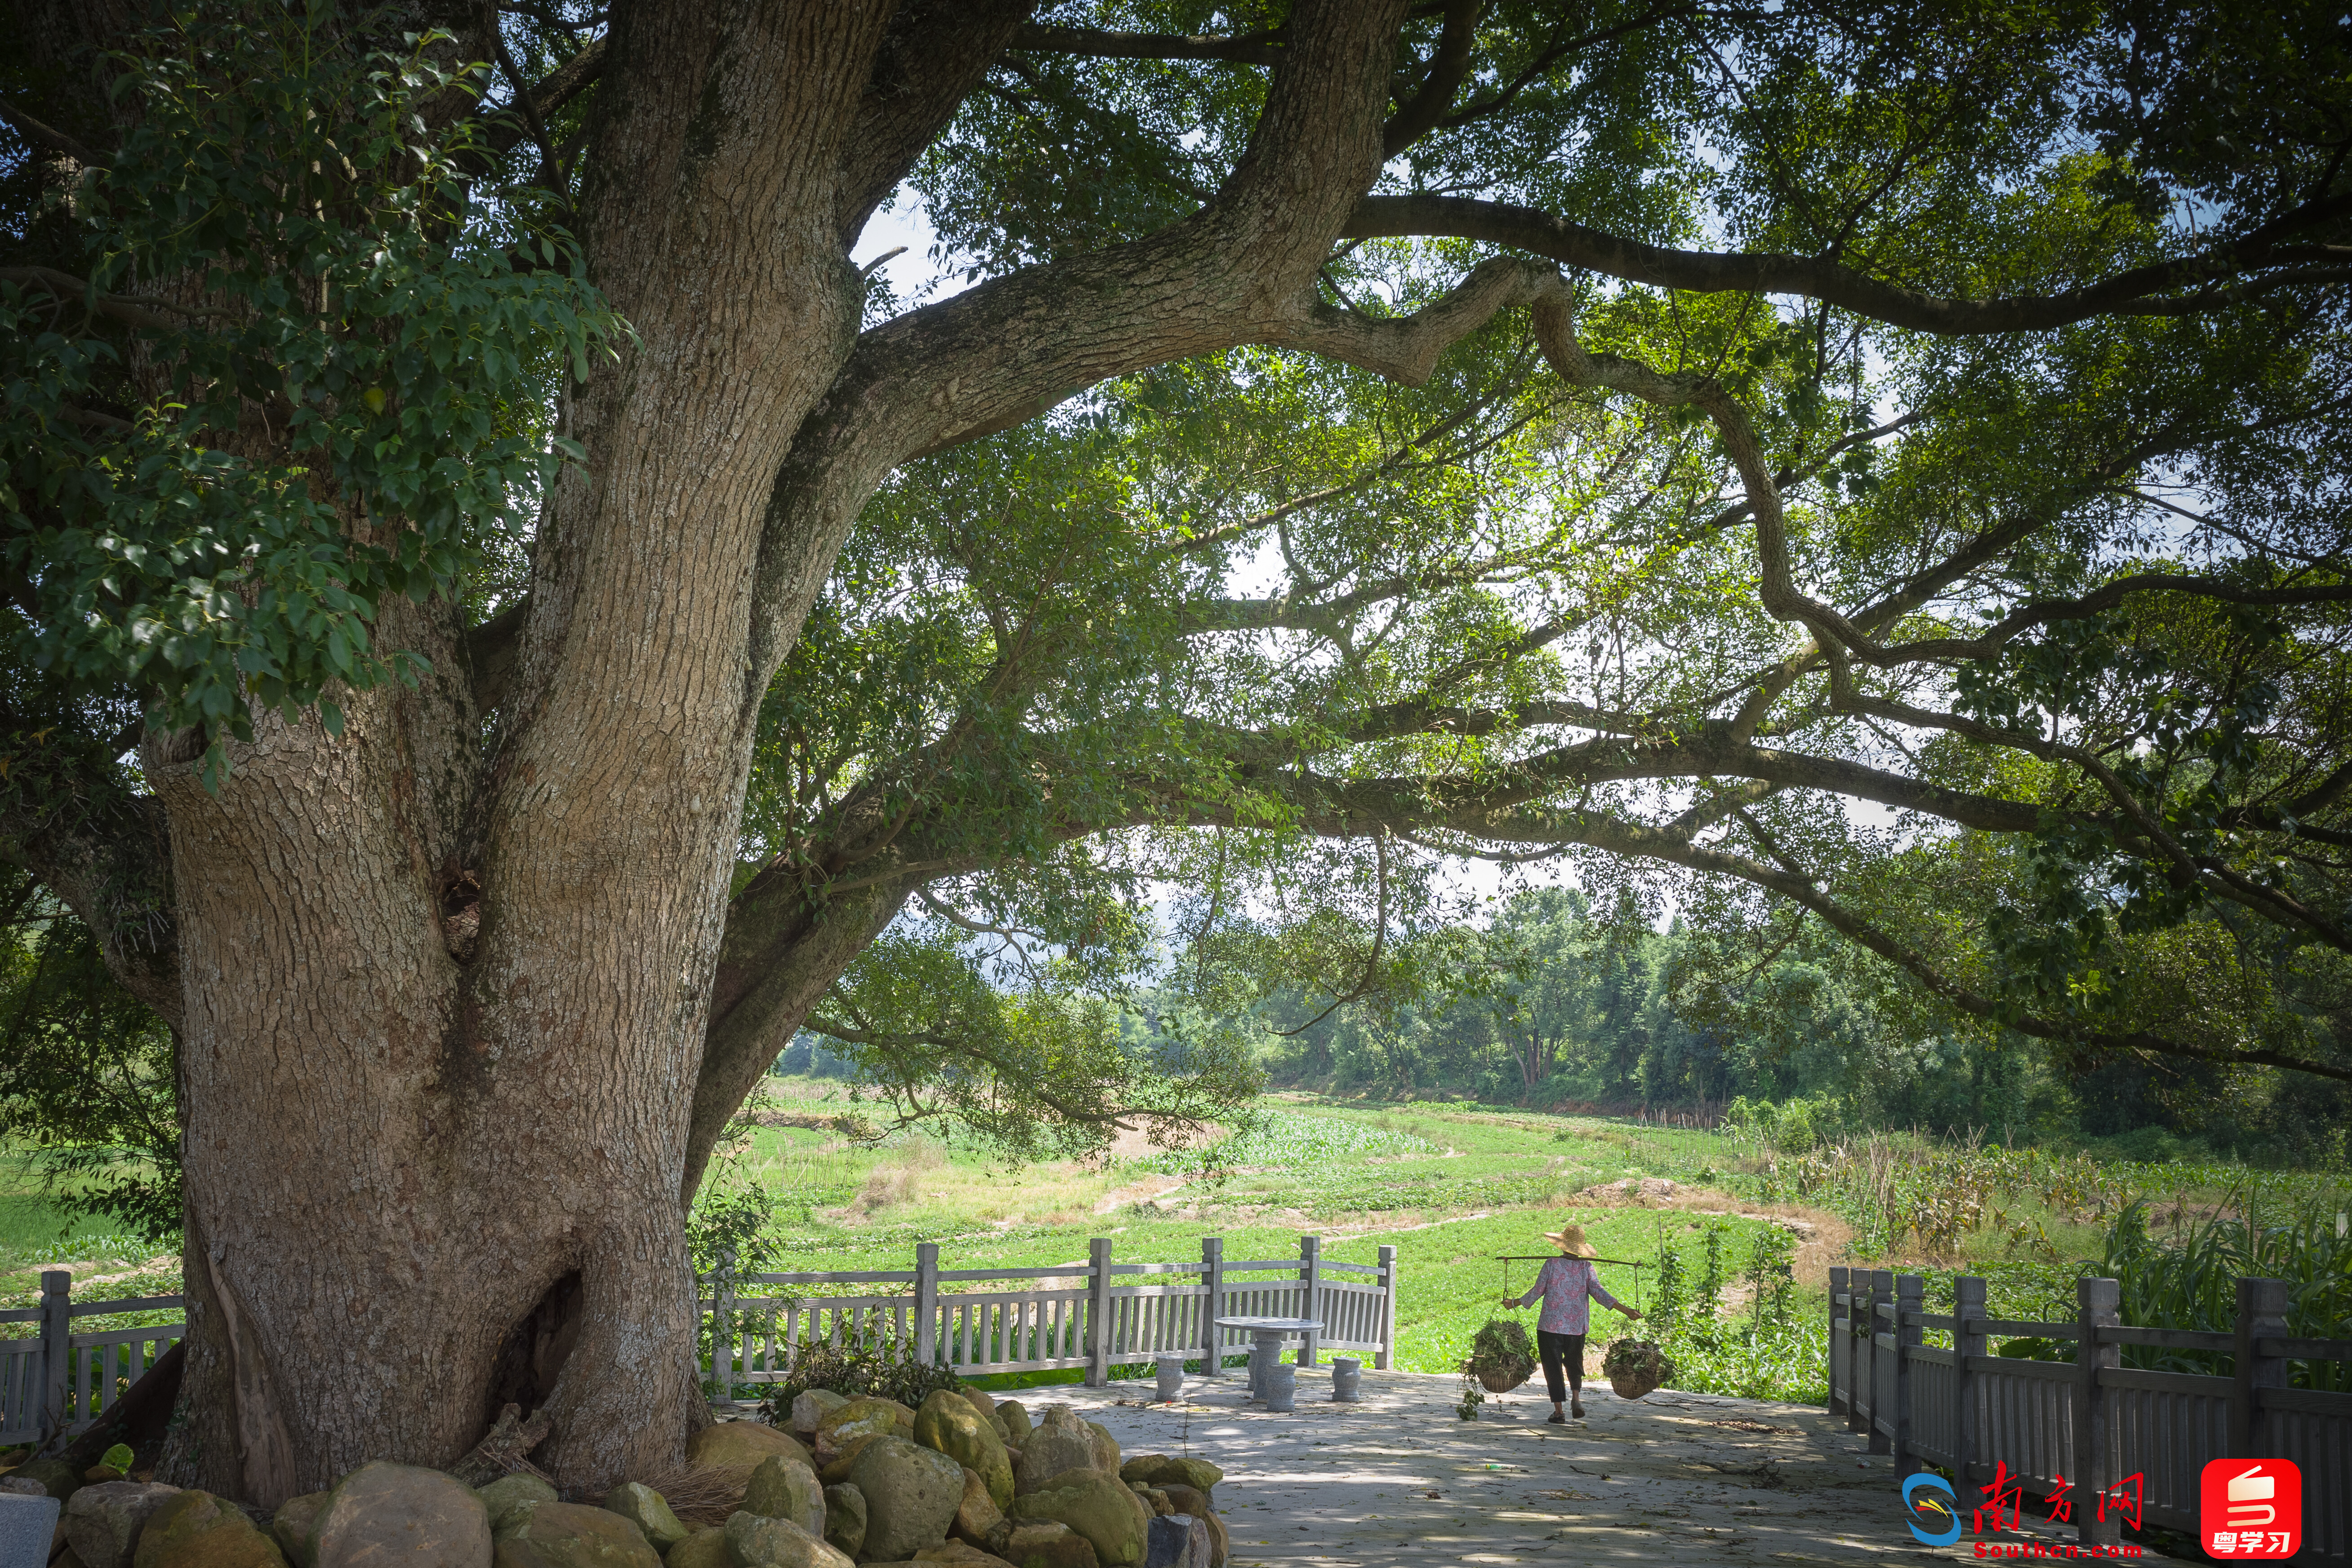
1281 1387
1348 1379
1172 1378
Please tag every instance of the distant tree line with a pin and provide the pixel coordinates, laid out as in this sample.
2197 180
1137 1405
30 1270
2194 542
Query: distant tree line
1551 1005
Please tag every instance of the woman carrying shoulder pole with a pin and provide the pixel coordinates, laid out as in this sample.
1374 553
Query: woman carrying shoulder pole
1568 1286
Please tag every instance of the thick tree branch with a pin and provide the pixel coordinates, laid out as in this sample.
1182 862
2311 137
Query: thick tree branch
1447 68
1236 272
2134 293
935 54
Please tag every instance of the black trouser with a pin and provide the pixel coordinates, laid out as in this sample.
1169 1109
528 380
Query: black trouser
1559 1350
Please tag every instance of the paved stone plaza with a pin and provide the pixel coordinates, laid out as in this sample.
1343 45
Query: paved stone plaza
1678 1479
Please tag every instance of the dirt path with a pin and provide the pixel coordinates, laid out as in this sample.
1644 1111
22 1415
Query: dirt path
1678 1478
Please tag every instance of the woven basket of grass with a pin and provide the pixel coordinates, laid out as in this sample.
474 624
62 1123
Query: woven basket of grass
1635 1367
1500 1356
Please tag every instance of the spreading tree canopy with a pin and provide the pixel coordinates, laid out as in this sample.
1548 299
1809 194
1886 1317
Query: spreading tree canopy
508 624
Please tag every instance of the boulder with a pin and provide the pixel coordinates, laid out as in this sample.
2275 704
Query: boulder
812 1408
744 1443
650 1512
911 1495
29 1527
1153 1499
1062 1442
1219 1541
845 1518
60 1479
1015 1416
1159 1469
103 1522
296 1518
961 1553
1177 1540
978 1519
382 1509
859 1419
703 1549
948 1422
197 1529
833 1474
755 1541
1046 1543
508 1498
1098 1506
574 1535
785 1489
1106 1448
978 1398
98 1474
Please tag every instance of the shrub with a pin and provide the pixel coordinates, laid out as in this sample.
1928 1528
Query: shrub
877 1365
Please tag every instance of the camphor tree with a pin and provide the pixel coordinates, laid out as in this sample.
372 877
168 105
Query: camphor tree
1499 427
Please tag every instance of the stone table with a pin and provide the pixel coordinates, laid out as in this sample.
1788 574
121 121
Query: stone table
1266 1335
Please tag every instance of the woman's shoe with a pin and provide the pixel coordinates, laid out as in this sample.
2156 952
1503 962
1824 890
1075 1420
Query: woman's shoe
1577 1411
1556 1419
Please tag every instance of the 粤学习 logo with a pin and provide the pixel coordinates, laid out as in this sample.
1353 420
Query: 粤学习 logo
1933 1511
2251 1508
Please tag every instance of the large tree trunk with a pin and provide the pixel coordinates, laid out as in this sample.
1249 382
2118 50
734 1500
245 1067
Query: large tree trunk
430 1168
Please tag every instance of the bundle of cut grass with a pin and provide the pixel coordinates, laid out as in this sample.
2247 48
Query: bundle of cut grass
1635 1367
1500 1356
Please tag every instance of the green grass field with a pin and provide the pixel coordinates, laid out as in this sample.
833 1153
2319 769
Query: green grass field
1451 1187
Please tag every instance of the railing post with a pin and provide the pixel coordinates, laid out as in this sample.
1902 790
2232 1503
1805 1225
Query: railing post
1840 1324
2262 1315
1882 1294
1213 1305
1910 1300
1381 1357
1310 1277
1859 1357
2096 1307
1098 1313
56 1349
926 1301
722 1338
1968 1303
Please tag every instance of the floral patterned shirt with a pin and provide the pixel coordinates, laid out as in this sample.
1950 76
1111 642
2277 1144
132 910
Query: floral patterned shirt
1568 1286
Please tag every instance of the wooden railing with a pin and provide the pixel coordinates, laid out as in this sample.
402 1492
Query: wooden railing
62 1381
1094 1315
1077 1314
2080 1429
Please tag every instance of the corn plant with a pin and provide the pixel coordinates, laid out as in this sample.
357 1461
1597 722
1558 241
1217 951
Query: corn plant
1672 1290
1771 1274
2190 1281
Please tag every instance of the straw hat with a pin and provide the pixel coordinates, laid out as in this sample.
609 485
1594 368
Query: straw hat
1571 1240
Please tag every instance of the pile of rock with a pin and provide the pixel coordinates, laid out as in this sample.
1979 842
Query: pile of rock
968 1480
964 1482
